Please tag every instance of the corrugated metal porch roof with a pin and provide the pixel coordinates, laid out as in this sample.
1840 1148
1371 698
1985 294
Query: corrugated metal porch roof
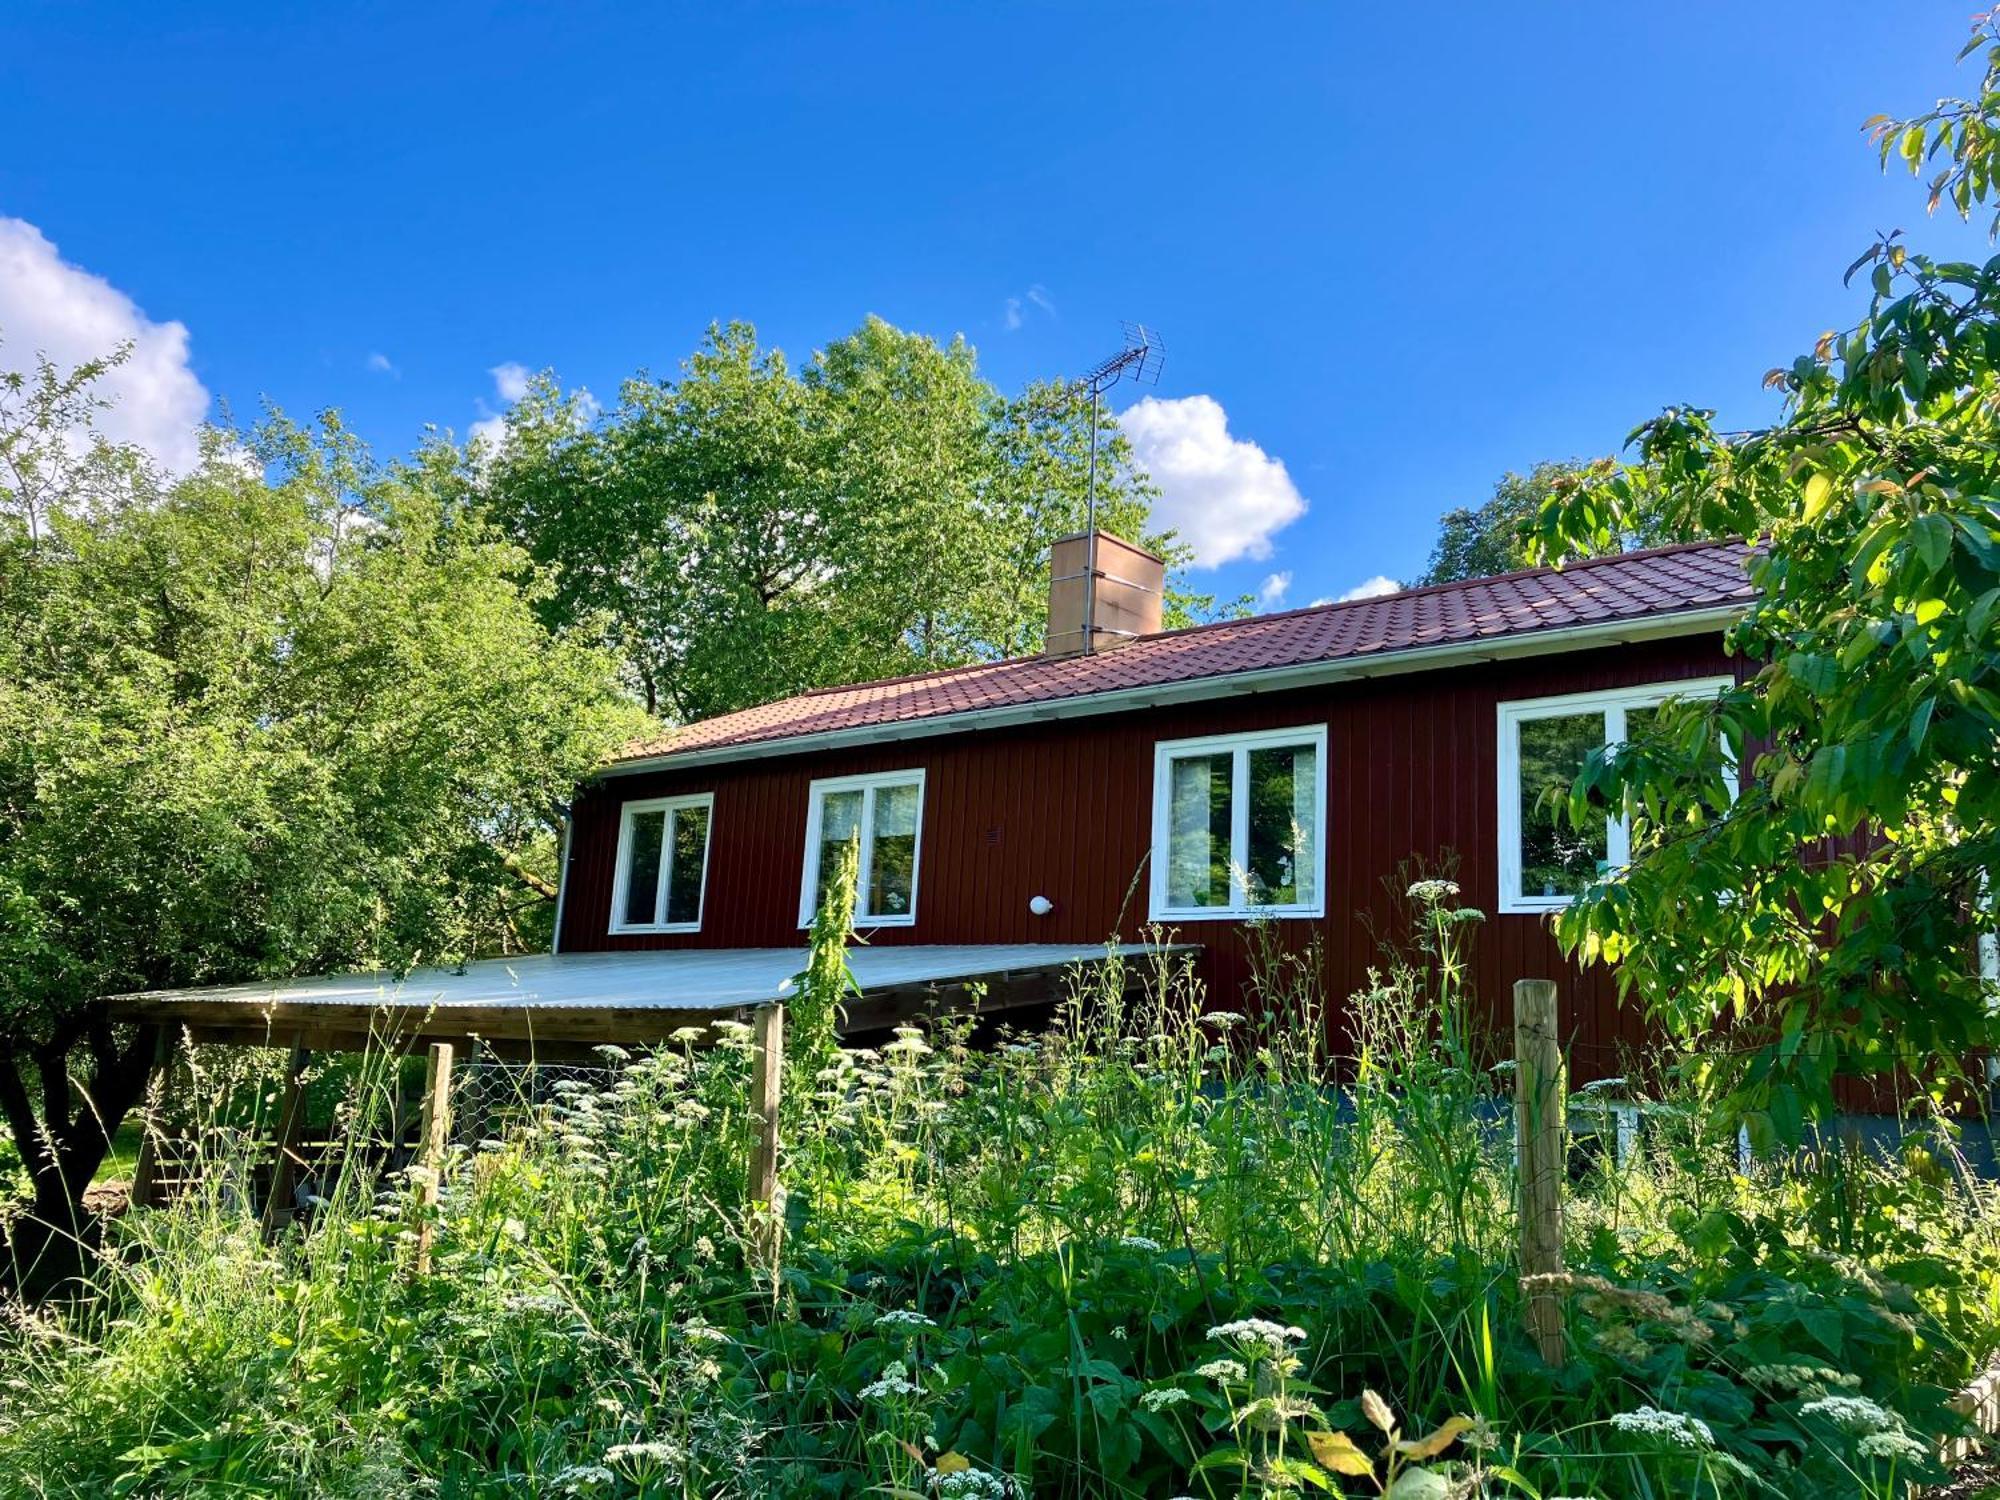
608 996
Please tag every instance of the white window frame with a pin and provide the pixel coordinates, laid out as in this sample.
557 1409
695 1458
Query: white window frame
668 806
867 785
1614 704
1239 747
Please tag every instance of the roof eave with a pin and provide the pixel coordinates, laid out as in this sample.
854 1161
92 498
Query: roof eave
1229 685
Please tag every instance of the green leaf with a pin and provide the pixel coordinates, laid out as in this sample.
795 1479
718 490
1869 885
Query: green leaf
1920 723
1931 535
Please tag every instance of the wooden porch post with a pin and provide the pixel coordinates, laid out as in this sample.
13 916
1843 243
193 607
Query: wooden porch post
285 1142
433 1138
767 1076
1542 1140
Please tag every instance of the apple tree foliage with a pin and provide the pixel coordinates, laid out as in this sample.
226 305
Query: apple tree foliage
1822 912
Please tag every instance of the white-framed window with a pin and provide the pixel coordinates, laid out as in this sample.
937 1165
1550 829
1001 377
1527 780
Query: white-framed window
662 864
1546 861
886 813
1239 825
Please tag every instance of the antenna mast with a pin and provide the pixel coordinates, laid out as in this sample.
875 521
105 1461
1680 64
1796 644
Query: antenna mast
1140 360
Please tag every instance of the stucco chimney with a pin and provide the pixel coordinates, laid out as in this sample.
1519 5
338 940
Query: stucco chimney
1102 600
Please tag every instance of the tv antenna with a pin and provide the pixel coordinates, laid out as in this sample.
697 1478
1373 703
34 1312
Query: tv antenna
1139 361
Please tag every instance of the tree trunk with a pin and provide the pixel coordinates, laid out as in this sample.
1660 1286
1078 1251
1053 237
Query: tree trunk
63 1150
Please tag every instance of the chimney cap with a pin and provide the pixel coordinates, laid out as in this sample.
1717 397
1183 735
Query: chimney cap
1110 536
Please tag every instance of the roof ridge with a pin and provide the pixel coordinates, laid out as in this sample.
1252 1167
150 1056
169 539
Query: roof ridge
1429 590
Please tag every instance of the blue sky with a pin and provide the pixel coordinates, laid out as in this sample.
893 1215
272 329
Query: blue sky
1398 249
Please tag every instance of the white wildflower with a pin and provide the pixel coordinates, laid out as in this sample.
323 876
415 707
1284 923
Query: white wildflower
1138 1242
686 1034
1899 1447
1222 1370
1259 1331
904 1317
1855 1413
1223 1020
975 1484
1668 1426
1120 1334
612 1052
1164 1397
895 1381
1433 892
662 1453
582 1478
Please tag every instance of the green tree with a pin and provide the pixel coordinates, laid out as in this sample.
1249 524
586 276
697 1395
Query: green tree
288 712
1831 909
747 531
1497 536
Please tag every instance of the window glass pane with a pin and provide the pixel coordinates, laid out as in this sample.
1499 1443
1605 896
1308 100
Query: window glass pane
642 867
839 822
1198 830
892 882
1283 785
690 851
1558 859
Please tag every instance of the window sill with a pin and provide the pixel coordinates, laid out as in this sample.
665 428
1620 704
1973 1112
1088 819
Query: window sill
867 924
1539 906
652 930
1239 914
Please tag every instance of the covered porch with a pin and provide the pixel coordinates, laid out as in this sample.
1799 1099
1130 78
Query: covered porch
556 1008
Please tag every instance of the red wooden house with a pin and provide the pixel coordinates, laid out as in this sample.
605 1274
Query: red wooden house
1282 766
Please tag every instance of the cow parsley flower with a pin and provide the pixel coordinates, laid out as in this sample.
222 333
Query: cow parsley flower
976 1484
1222 1370
1896 1446
1259 1332
1222 1020
1138 1242
895 1381
1854 1413
1668 1426
663 1453
1162 1398
904 1317
581 1479
1433 892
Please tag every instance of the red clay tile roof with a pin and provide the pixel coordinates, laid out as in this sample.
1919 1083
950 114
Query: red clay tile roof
1634 586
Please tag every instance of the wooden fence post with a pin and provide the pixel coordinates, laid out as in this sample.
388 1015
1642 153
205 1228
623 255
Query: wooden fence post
1542 1138
285 1141
433 1136
767 1077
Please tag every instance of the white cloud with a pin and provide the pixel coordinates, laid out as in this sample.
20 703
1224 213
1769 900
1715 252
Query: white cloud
1224 495
380 364
1015 312
49 306
510 384
1273 590
511 380
1370 588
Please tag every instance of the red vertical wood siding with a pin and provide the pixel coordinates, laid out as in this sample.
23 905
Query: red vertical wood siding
1064 810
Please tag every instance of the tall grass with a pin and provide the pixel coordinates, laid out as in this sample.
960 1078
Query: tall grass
1166 1247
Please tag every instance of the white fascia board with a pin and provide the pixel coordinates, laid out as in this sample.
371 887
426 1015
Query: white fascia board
1203 689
